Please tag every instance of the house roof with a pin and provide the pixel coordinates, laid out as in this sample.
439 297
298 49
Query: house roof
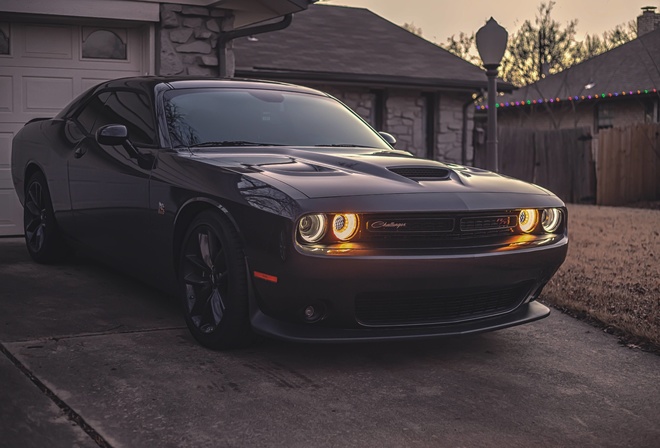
629 69
354 45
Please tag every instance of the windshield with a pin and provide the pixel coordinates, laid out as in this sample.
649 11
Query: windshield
232 117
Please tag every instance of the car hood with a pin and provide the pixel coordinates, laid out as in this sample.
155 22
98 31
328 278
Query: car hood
332 172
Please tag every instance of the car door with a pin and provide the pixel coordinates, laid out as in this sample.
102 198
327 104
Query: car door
109 186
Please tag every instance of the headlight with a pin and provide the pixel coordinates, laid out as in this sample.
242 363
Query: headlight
551 219
345 226
527 219
312 227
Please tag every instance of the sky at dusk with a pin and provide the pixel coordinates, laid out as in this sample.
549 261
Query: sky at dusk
439 19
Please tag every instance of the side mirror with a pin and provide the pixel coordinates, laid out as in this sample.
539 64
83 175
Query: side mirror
389 138
112 134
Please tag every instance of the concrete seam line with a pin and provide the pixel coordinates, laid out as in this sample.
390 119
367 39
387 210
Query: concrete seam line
70 413
107 333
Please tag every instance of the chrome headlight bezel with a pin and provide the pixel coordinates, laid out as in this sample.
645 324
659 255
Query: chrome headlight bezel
551 219
312 227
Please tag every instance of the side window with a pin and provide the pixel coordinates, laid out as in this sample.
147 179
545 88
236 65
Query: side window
134 111
88 115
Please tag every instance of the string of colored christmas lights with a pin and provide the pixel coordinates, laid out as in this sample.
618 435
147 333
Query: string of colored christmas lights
570 98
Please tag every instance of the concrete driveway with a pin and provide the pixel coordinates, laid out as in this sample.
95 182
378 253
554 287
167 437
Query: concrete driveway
92 357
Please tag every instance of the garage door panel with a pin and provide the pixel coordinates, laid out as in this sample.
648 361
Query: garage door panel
5 144
11 219
6 94
46 94
61 47
45 71
47 42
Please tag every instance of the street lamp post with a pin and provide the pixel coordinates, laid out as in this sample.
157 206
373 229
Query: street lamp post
491 44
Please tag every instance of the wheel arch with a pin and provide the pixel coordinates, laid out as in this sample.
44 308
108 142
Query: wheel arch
186 215
31 168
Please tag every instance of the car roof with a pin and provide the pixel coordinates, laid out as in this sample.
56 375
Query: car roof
149 83
152 84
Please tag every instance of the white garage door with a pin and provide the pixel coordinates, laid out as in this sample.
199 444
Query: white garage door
45 66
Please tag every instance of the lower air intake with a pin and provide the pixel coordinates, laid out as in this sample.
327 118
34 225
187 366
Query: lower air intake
427 308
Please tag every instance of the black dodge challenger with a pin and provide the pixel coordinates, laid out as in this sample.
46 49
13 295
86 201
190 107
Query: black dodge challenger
274 209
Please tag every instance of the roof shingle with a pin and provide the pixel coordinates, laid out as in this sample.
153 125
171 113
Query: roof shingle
356 44
629 67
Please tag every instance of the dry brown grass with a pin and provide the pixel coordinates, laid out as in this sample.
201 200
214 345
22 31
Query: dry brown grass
612 271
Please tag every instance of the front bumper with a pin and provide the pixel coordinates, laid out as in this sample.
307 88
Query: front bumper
342 285
268 326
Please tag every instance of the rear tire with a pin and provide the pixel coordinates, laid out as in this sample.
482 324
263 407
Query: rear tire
213 282
42 236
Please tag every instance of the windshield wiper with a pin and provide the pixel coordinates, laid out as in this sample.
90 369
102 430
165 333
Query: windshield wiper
232 143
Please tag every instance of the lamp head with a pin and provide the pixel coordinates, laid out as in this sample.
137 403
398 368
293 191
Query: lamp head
491 43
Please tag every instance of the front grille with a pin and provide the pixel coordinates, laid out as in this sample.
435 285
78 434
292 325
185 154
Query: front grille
427 308
488 222
467 228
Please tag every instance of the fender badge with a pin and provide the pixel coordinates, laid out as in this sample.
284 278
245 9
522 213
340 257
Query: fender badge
161 208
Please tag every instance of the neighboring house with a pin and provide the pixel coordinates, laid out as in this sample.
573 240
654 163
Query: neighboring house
53 50
616 88
398 82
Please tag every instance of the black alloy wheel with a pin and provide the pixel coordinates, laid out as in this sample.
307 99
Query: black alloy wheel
42 236
214 283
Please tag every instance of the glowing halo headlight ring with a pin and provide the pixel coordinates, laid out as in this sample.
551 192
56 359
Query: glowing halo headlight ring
312 227
345 225
528 218
551 219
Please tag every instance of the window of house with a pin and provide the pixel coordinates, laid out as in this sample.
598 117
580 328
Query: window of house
102 43
604 117
650 111
4 38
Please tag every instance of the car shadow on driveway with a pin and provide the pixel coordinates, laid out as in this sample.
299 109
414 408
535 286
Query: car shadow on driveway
117 353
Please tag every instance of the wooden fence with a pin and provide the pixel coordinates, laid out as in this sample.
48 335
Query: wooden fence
628 164
559 160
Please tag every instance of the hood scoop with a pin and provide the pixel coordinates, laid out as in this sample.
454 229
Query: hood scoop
421 173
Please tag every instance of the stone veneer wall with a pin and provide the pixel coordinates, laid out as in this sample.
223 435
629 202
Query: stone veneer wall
188 37
405 120
450 128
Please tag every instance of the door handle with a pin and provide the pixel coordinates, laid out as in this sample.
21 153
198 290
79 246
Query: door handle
79 152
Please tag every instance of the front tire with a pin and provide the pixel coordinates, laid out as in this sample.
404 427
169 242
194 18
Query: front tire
213 280
42 236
